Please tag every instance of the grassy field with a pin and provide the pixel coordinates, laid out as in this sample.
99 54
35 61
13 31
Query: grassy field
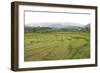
56 46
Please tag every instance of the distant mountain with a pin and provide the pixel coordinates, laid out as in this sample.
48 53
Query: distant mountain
49 27
87 26
55 25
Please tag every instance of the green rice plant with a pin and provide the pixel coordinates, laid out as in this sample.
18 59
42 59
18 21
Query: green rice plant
56 46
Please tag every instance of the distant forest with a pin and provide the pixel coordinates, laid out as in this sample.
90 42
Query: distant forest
39 29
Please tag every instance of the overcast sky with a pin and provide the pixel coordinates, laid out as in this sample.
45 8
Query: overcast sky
45 17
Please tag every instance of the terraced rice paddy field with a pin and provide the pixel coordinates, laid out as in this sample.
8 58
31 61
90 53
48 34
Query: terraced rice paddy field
56 46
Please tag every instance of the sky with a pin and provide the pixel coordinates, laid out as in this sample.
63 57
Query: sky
45 17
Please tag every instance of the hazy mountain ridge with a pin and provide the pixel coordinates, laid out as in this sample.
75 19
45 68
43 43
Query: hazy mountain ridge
57 26
54 25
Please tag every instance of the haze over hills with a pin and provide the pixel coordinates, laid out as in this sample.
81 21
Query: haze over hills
55 25
65 26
